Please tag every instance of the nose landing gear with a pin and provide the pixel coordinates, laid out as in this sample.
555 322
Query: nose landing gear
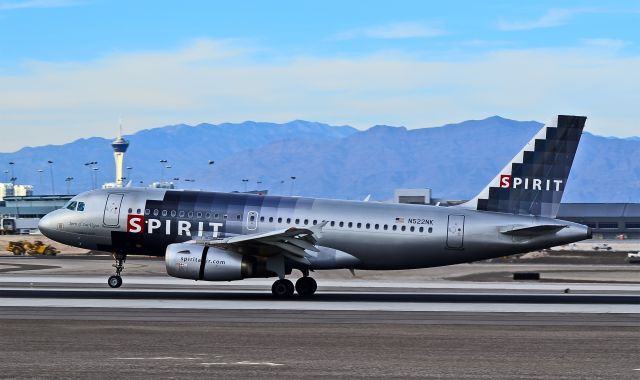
116 280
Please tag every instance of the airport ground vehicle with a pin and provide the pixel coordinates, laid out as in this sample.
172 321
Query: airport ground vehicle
634 258
36 248
7 225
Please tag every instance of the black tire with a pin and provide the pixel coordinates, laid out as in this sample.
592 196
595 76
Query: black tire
114 281
306 286
282 289
17 251
49 252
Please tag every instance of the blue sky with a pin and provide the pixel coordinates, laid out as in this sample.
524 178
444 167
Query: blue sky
71 69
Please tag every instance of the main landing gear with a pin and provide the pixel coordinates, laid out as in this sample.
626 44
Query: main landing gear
305 286
115 281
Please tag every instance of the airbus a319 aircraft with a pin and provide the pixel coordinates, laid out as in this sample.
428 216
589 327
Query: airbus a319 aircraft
212 236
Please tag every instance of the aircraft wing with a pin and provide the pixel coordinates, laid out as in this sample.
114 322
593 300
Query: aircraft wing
293 243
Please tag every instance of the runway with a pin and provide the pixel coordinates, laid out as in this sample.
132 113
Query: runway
59 320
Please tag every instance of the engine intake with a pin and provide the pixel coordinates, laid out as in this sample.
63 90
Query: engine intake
198 262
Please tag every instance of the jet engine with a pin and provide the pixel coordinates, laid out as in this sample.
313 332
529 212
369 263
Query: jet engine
199 262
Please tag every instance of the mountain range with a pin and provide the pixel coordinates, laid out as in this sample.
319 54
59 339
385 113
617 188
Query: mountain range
455 160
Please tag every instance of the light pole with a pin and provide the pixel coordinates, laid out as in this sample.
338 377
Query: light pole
53 185
91 166
68 181
163 163
129 169
211 162
6 174
40 172
95 176
244 181
13 177
293 180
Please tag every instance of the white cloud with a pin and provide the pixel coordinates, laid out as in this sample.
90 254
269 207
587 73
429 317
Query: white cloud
606 43
393 31
219 81
11 5
553 17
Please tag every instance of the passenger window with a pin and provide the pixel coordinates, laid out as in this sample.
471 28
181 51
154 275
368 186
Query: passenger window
288 220
207 215
216 216
333 223
138 211
252 218
385 227
147 212
315 222
181 213
394 227
72 206
430 229
341 224
190 214
130 211
350 224
412 228
367 226
262 218
359 225
199 215
156 212
421 229
377 226
403 228
80 206
173 213
164 212
271 219
306 221
239 217
279 220
224 216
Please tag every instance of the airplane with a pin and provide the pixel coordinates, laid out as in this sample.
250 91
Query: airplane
214 236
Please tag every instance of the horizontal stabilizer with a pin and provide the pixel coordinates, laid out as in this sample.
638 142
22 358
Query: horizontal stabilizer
528 230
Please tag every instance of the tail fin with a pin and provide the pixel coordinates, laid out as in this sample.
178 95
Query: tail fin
533 182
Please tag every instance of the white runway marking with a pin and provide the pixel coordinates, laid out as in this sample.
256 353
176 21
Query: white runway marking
321 305
268 364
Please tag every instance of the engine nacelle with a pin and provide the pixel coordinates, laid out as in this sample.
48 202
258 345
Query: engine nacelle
198 262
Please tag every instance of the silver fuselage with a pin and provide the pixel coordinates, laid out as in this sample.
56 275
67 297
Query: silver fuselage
360 235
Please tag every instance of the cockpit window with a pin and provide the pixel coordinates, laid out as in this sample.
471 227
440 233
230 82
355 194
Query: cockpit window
80 206
72 206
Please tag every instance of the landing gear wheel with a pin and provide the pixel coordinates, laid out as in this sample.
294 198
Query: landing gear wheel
115 281
306 286
282 288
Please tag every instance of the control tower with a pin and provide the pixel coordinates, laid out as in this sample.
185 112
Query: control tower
119 146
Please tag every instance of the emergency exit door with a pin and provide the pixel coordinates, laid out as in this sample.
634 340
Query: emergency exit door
455 232
112 210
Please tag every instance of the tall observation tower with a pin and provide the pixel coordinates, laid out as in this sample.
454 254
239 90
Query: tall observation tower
119 146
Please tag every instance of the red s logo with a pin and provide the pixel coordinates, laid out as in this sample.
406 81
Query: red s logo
135 223
505 181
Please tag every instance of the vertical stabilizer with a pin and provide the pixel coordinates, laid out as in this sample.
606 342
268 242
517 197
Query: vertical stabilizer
534 181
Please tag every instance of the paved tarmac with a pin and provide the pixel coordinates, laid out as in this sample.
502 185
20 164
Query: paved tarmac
59 320
150 343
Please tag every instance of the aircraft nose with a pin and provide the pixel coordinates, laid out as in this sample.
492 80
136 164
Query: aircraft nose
47 225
